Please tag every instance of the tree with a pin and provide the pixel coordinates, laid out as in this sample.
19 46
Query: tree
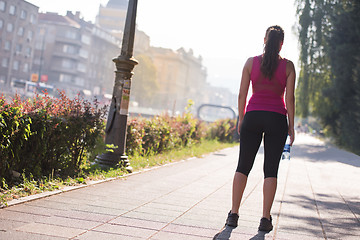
344 53
329 85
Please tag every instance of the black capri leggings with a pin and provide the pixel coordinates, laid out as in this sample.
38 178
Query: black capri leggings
255 124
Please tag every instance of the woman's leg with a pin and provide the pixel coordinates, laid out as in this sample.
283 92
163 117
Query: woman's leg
269 190
250 140
274 141
239 185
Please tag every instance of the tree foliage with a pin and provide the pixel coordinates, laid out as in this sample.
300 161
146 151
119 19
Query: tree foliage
329 81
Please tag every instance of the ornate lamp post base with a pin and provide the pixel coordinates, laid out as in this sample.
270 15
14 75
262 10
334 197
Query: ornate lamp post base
109 159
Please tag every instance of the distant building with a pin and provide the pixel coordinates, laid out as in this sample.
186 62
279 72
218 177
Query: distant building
18 21
75 55
112 17
181 76
196 74
103 48
141 42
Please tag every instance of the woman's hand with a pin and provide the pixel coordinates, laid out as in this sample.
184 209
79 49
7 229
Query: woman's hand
291 133
239 126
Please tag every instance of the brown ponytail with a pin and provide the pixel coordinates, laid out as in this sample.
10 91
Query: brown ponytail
274 36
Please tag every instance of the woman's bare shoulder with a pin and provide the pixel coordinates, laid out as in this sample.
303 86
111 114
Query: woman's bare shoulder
249 63
289 67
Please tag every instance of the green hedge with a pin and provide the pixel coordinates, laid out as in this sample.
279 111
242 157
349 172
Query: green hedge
43 135
54 136
161 133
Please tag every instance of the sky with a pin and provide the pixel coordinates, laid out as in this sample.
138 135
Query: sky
225 33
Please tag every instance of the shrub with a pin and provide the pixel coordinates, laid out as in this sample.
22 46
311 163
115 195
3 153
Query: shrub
161 133
47 135
14 131
223 130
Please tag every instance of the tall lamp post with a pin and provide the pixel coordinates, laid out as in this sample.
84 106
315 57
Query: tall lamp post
118 113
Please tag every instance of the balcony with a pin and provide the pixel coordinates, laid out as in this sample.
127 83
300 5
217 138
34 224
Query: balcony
63 40
74 56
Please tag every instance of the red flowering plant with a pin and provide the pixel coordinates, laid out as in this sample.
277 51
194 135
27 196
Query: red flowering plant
59 134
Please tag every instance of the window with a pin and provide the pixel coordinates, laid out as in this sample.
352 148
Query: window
7 45
4 62
79 81
81 67
16 65
10 27
12 10
28 51
83 53
18 48
65 78
2 79
71 35
30 35
1 23
38 45
86 39
23 14
20 31
26 68
32 18
66 63
2 6
69 49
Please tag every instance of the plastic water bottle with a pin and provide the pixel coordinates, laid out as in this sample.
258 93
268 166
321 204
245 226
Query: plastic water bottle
286 151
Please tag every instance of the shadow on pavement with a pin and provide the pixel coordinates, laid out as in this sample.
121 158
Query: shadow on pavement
220 154
325 153
259 236
224 234
340 219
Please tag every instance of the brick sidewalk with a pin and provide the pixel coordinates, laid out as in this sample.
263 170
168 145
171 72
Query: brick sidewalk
318 197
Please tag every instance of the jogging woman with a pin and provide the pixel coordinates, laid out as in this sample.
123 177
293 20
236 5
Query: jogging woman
267 116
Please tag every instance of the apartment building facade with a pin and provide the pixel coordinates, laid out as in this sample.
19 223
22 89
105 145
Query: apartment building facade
18 23
75 55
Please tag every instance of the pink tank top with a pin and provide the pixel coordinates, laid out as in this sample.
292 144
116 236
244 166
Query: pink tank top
268 95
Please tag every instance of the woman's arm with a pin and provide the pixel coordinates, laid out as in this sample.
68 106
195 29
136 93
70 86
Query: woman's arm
290 98
244 87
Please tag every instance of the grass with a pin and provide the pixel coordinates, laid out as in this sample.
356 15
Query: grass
208 146
29 186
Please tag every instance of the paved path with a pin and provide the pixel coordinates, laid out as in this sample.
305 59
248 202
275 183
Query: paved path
318 197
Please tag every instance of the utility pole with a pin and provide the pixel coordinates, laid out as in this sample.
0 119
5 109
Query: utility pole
118 113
